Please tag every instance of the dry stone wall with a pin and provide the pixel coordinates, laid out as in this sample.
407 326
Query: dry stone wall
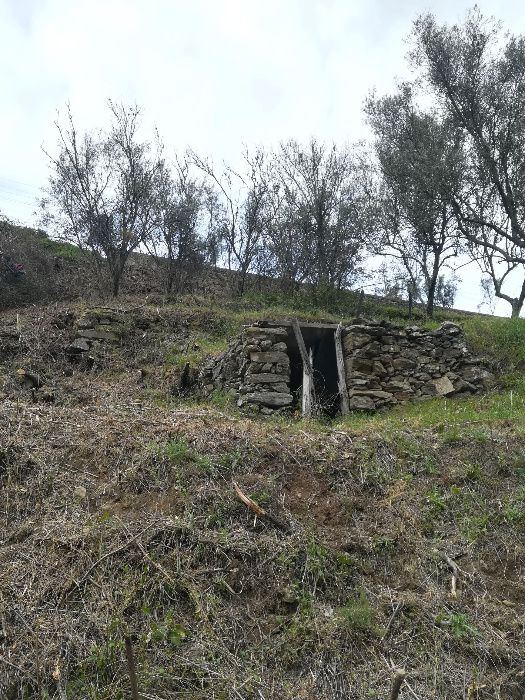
255 368
386 364
93 328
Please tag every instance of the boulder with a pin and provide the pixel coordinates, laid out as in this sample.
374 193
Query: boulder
78 346
361 403
444 386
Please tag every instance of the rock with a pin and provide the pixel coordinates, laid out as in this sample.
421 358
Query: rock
403 363
281 388
378 368
361 403
462 385
273 399
351 341
263 333
444 386
374 394
80 492
450 328
273 357
78 346
279 347
362 365
364 330
475 374
264 378
85 322
97 335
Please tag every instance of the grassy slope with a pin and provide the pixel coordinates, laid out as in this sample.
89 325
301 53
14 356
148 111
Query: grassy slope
119 517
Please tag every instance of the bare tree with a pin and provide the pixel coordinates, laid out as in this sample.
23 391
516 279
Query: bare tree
478 75
325 204
100 192
178 240
241 210
420 162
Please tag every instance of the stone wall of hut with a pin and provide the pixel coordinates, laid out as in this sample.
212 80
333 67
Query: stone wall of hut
384 365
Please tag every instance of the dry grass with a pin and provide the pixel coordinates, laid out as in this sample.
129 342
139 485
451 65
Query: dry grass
119 518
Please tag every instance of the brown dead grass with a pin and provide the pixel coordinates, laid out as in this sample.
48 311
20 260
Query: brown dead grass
118 516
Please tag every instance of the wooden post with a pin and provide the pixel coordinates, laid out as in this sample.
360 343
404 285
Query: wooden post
131 668
308 388
308 372
341 375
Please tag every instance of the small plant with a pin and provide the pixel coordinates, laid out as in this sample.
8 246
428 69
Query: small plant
436 501
168 632
459 624
358 614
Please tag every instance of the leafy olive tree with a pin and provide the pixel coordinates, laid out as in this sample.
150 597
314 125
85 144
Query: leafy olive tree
420 164
321 223
478 75
178 239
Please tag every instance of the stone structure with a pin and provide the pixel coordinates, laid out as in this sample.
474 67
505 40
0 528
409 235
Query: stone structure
386 364
383 365
256 368
92 328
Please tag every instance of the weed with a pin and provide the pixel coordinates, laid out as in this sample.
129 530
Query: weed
358 614
459 624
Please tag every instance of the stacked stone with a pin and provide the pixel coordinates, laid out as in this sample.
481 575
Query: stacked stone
93 327
256 368
386 364
266 380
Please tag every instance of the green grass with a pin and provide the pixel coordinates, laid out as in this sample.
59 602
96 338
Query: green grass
200 346
448 416
500 339
58 248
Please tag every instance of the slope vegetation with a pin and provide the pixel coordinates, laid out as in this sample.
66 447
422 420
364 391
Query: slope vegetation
393 540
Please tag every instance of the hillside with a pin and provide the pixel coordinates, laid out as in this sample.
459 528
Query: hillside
396 539
57 271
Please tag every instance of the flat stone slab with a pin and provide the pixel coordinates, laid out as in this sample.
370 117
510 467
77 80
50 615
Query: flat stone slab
278 358
264 378
97 335
272 400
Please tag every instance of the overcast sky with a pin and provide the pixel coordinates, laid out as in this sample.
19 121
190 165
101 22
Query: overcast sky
211 74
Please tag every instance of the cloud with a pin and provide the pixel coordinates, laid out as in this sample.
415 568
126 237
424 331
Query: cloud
211 74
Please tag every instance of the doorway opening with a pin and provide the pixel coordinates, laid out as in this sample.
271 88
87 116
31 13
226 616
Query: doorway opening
319 394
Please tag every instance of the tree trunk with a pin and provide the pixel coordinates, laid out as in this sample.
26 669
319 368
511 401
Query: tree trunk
516 305
116 282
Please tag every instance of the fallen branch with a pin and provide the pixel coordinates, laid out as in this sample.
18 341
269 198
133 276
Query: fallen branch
392 618
256 508
455 572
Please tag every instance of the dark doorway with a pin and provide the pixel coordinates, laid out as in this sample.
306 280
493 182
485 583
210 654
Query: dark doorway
320 345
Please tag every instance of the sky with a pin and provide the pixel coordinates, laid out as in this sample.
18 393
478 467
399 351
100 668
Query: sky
213 75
